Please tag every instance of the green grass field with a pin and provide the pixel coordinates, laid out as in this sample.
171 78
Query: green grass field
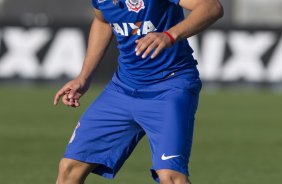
238 139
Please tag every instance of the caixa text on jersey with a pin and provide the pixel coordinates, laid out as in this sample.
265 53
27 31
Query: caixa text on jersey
138 28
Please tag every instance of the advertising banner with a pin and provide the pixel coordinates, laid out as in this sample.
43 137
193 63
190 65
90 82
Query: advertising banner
224 55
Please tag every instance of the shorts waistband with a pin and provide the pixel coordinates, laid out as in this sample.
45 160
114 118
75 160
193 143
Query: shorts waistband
184 81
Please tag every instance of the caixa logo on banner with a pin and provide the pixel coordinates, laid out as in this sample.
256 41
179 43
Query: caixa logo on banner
239 56
64 55
223 55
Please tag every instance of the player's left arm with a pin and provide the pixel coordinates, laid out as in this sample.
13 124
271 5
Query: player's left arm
203 14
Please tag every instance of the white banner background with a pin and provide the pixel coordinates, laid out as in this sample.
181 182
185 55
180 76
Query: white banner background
224 56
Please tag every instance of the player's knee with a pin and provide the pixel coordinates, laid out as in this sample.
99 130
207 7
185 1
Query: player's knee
65 166
172 177
66 171
166 179
72 171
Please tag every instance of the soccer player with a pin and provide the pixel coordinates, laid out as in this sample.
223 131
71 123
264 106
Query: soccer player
154 91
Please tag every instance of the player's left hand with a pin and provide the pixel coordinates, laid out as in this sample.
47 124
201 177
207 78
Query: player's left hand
152 42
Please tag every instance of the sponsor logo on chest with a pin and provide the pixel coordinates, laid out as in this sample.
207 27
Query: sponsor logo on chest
139 28
135 5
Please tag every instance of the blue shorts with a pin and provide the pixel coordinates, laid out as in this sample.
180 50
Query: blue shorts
115 122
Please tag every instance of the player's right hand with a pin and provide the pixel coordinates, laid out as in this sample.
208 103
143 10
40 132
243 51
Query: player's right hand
71 92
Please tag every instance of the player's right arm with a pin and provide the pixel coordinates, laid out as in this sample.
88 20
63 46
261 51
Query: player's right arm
99 38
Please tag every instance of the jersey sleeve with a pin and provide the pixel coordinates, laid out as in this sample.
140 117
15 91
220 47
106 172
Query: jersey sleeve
174 1
95 4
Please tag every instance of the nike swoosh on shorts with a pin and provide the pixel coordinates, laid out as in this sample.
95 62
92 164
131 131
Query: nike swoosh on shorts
169 157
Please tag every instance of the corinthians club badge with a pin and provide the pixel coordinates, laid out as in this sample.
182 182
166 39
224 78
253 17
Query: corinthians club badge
135 5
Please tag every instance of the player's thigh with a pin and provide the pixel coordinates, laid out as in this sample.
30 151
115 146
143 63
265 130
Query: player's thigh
178 120
169 124
106 134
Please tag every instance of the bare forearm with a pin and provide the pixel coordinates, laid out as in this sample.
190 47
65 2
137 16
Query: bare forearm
203 14
99 39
